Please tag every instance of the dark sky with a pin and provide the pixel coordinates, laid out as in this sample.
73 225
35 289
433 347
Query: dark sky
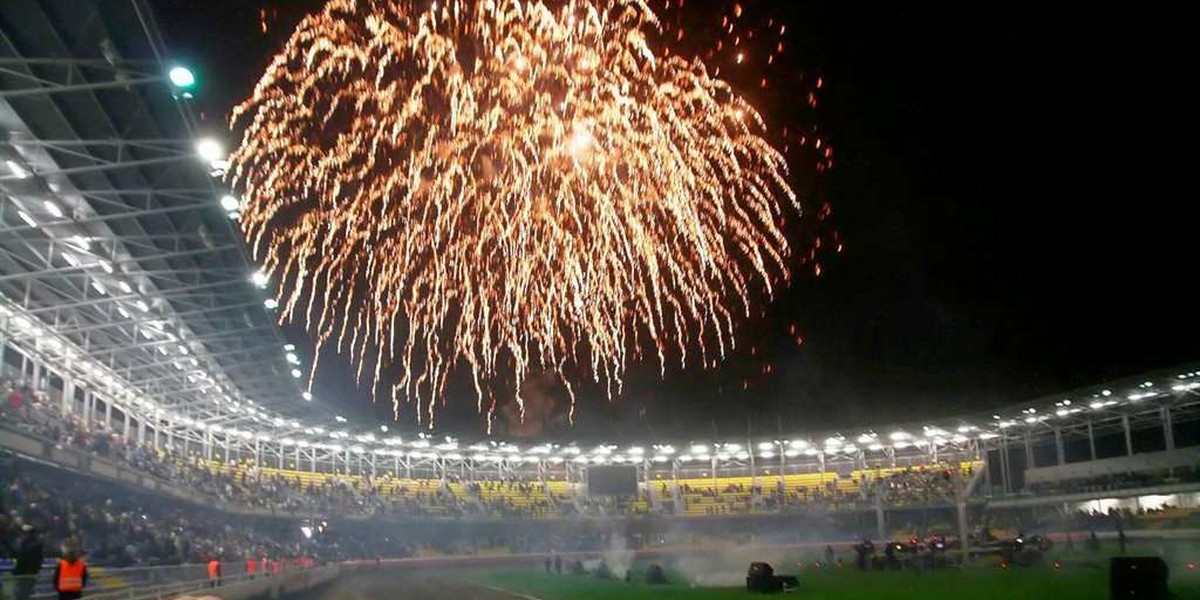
1009 230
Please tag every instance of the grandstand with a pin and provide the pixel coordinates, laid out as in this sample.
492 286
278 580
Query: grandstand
911 465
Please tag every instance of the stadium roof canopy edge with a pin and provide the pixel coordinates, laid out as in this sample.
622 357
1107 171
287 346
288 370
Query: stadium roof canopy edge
118 256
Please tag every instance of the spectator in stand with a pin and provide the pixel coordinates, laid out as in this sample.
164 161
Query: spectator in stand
17 403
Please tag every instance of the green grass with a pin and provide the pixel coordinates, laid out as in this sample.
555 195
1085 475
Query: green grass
1036 583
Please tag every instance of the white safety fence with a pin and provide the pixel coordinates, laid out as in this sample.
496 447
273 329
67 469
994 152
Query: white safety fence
134 583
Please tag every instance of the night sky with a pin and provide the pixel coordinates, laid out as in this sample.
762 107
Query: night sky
1008 232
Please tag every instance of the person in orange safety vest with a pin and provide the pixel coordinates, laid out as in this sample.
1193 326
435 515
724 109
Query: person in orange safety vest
214 572
71 575
251 567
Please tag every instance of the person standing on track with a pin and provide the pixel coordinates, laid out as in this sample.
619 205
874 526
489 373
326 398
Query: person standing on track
71 575
214 572
29 562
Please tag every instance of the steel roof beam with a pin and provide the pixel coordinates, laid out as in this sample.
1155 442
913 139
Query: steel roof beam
145 162
170 293
130 322
116 262
201 339
132 214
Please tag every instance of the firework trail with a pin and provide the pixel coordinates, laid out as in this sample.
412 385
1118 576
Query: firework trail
506 186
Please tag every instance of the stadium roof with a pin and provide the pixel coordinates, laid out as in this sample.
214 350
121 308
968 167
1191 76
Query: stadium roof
118 256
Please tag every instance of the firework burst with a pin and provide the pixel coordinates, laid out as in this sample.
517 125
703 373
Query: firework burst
508 187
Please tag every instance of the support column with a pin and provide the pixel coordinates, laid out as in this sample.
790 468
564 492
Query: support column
713 464
1168 429
125 431
821 463
782 448
1004 470
1128 435
141 434
753 471
108 413
37 376
960 502
1091 441
1058 446
989 469
68 396
258 453
880 519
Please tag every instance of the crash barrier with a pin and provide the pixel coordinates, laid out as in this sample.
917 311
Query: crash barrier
160 583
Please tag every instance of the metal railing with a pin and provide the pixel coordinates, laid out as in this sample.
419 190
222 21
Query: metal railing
134 583
169 589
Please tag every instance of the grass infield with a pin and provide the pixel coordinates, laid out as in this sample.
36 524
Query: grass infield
1086 581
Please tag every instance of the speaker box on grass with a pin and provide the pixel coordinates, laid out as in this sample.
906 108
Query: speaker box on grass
1137 578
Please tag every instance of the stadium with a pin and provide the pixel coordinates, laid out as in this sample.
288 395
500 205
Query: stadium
159 423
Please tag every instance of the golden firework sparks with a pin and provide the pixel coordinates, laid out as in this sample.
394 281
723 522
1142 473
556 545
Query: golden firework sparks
507 186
